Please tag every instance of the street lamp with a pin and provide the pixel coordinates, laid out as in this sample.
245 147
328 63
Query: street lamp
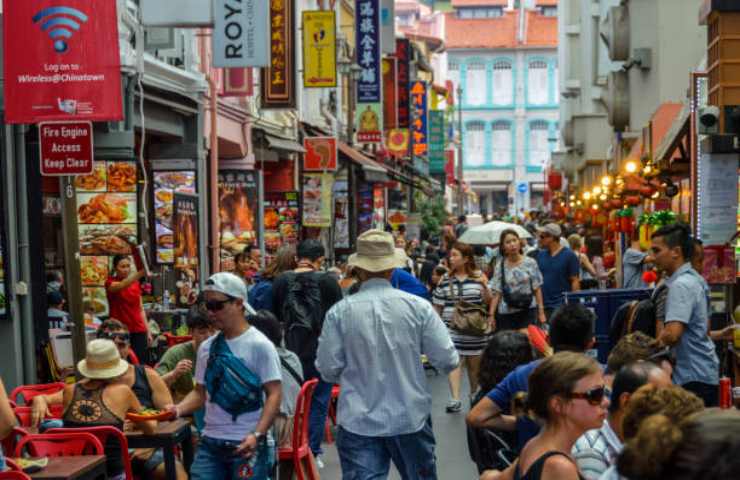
460 193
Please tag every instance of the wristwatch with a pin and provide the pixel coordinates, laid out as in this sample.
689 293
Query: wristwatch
259 436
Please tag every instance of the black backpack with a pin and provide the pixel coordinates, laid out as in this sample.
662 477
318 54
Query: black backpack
635 316
302 315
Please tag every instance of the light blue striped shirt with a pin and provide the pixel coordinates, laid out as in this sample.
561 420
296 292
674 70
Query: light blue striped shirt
371 345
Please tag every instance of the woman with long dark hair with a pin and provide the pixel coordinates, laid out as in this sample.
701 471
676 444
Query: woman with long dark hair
464 283
260 295
125 304
516 285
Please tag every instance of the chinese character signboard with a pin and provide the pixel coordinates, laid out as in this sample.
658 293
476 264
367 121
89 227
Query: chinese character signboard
240 34
390 97
368 50
319 49
436 141
61 62
403 56
419 124
321 154
66 148
369 120
278 81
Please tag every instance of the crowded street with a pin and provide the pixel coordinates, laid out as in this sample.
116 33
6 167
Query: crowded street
370 239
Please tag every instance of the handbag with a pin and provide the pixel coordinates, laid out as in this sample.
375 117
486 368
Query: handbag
516 300
469 318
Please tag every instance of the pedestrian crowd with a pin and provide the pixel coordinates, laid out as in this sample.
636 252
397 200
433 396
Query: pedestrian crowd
360 338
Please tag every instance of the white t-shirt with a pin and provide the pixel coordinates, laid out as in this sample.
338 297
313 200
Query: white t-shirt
260 356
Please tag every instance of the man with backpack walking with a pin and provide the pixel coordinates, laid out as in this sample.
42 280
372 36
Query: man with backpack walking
301 299
235 370
686 314
372 345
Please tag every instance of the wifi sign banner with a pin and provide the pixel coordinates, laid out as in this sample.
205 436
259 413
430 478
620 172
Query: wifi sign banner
61 60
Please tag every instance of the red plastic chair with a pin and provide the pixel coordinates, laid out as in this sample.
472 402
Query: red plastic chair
332 414
173 340
27 392
59 445
9 443
14 475
12 466
24 414
103 433
299 448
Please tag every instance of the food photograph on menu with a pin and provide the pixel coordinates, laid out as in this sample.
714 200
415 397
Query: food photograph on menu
102 208
94 270
94 182
94 300
281 220
106 239
166 186
186 247
238 202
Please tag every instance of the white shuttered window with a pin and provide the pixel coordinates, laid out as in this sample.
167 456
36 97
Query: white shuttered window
474 146
476 84
501 140
537 83
503 83
539 148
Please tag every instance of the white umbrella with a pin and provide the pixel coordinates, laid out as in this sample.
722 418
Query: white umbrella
490 233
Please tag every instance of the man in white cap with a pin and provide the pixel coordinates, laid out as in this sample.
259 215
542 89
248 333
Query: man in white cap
371 345
234 369
559 266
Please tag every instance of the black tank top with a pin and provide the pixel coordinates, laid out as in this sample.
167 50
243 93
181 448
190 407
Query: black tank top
536 469
141 387
87 409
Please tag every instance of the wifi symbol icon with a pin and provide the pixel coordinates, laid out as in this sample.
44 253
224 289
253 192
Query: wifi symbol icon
56 23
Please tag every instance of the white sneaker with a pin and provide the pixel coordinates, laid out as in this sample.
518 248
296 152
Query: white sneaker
319 462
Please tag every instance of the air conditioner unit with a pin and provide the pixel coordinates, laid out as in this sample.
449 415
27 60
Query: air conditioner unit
617 99
615 31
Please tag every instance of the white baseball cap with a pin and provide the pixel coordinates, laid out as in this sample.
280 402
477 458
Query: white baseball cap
231 286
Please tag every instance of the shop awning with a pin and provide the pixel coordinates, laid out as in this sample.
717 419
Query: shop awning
374 172
284 144
674 139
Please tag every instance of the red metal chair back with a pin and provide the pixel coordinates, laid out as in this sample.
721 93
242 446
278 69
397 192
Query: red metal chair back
24 414
59 445
103 433
27 392
173 340
9 442
14 475
302 412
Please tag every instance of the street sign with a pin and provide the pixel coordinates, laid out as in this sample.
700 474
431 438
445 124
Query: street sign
66 148
240 33
521 187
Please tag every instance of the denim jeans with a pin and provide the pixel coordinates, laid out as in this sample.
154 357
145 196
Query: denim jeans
317 417
216 459
368 458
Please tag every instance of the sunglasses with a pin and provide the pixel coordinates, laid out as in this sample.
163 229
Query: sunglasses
593 396
121 337
216 305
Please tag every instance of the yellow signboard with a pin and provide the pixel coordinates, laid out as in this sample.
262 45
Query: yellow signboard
319 49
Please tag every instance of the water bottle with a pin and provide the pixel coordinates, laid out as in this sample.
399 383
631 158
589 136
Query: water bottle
166 300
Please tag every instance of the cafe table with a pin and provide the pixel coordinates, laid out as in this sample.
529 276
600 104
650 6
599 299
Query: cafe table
79 467
167 436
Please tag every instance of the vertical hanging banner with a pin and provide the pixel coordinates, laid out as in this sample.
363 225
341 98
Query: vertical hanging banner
403 76
61 62
319 49
390 96
388 26
238 82
419 124
369 119
185 219
368 50
240 34
436 141
278 81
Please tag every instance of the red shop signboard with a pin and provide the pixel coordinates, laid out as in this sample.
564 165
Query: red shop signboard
61 60
66 148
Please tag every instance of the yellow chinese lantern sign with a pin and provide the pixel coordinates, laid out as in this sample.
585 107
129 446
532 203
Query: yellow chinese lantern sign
319 49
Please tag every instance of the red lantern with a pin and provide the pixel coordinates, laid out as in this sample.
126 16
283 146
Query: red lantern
647 191
609 259
625 224
632 200
555 181
615 203
579 215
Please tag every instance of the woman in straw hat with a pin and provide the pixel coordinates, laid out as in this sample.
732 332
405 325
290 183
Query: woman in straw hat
98 400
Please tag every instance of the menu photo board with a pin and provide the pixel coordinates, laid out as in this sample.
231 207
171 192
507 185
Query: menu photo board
317 199
238 204
166 185
106 216
282 214
185 223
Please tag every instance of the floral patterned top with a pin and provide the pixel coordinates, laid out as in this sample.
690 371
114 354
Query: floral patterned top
525 277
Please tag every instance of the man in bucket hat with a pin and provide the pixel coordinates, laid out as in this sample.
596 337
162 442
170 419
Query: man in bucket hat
371 345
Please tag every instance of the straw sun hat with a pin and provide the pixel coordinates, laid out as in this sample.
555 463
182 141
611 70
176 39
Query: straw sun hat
376 252
102 361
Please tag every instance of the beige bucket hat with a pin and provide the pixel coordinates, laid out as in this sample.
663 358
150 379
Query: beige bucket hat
376 252
102 361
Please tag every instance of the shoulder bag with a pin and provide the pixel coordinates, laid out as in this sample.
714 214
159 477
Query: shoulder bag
468 318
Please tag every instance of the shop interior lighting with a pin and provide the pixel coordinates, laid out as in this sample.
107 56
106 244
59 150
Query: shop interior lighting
606 180
587 196
571 204
595 206
603 197
596 191
572 197
631 166
579 203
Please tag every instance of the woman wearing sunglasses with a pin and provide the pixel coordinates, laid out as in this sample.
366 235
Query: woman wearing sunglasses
567 393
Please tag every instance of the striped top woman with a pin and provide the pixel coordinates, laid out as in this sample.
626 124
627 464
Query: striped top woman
464 282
